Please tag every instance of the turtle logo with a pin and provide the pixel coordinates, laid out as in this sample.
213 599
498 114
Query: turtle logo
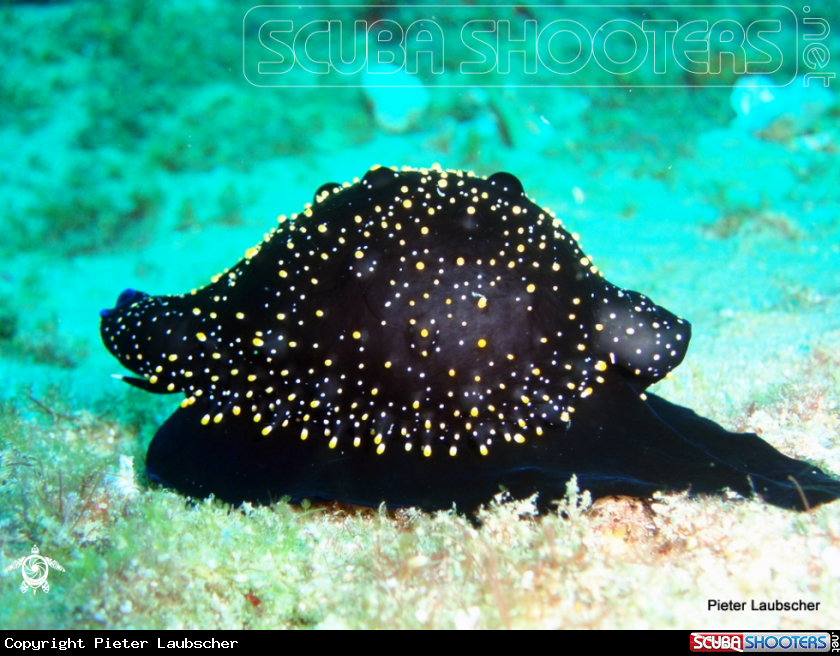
35 569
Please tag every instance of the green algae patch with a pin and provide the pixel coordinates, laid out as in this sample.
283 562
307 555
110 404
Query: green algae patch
137 556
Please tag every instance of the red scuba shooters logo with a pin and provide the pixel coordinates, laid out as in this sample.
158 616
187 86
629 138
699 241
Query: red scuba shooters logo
717 642
755 641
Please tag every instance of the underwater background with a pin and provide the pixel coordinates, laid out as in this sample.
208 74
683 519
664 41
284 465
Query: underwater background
139 152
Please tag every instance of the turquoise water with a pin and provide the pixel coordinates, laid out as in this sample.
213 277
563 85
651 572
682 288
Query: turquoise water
138 153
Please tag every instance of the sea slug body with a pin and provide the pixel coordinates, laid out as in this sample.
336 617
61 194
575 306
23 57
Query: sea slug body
424 337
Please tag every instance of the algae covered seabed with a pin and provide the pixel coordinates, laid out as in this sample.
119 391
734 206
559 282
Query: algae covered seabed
136 155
